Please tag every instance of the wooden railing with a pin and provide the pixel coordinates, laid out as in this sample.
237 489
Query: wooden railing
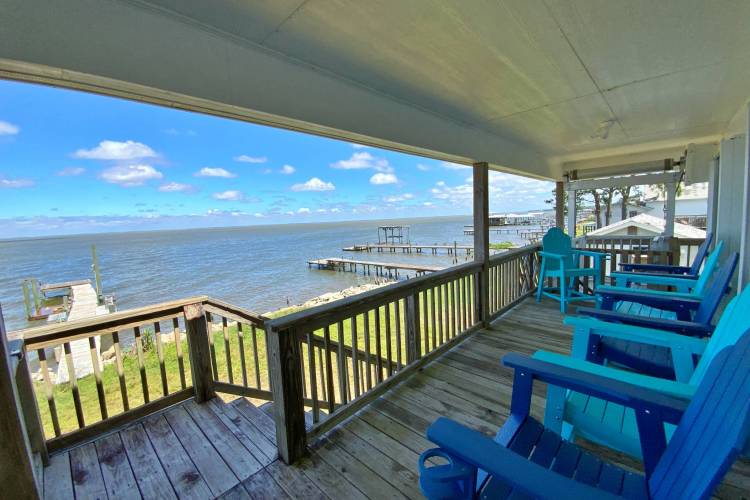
640 250
161 355
336 358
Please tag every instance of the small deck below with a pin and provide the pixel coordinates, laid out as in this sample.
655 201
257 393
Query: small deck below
226 449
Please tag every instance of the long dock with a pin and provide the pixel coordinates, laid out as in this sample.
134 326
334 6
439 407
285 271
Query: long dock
384 269
524 232
410 248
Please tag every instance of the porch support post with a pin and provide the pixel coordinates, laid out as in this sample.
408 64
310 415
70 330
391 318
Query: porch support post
16 469
572 213
743 276
482 240
669 209
713 196
560 204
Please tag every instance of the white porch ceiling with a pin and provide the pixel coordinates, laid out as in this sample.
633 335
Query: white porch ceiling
520 83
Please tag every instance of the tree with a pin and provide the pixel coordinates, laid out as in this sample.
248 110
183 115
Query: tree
608 195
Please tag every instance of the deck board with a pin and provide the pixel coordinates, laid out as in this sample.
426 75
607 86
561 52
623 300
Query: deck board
227 449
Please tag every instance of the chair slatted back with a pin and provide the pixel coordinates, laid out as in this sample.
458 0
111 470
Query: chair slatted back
557 242
695 267
711 433
708 269
719 286
734 321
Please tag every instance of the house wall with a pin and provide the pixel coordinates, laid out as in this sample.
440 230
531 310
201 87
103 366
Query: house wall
732 167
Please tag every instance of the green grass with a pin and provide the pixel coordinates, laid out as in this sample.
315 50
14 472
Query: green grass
504 245
63 396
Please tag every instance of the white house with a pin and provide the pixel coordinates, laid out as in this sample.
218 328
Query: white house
647 225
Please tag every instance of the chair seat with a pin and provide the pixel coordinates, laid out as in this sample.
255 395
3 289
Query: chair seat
643 310
546 448
606 423
579 271
644 358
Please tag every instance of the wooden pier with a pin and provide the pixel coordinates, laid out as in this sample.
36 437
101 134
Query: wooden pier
411 248
369 268
524 232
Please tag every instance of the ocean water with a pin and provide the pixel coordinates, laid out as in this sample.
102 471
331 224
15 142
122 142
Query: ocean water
261 268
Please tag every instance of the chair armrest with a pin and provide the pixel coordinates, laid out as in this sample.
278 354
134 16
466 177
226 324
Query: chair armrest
591 253
670 299
653 279
676 389
655 268
672 325
552 255
480 451
669 409
637 334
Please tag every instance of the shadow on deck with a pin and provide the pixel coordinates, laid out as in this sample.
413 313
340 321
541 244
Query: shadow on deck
226 449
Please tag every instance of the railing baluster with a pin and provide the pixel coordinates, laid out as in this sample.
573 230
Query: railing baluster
256 362
211 347
74 385
98 378
355 356
433 319
120 371
141 365
341 363
313 378
49 390
321 374
329 370
397 312
368 372
227 350
178 349
388 350
241 345
378 347
454 308
160 356
425 323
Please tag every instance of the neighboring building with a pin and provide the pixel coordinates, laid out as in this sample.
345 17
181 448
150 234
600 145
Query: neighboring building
646 225
691 206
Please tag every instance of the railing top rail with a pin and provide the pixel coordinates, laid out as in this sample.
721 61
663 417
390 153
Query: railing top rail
326 314
41 336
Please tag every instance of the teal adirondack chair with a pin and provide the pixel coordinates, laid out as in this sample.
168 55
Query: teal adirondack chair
682 284
574 414
562 262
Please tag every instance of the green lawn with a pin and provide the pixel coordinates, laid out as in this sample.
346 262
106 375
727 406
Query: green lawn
63 397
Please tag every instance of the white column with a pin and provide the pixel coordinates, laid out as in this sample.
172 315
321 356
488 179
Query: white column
713 196
669 209
744 271
572 213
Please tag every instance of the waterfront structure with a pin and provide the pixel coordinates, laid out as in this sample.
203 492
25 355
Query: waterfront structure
355 383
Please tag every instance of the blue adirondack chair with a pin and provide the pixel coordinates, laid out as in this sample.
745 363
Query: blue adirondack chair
701 312
690 272
574 413
681 283
525 460
562 262
617 297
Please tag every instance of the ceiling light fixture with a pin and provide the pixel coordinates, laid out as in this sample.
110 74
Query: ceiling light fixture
602 131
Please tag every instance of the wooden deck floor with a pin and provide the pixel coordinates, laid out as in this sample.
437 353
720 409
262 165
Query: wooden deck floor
226 449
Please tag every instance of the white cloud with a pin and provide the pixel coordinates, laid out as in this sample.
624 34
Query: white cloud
174 187
363 160
453 166
335 210
130 175
381 178
423 168
288 212
71 171
15 183
314 184
214 172
250 159
287 170
303 210
231 195
258 215
321 211
358 146
428 203
398 198
115 150
8 128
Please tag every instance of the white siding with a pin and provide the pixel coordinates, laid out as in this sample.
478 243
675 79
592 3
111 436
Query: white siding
731 192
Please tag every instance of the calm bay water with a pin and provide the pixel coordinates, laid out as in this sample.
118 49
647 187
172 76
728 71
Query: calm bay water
260 268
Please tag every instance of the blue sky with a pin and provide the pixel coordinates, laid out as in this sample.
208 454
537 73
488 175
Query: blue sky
72 162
